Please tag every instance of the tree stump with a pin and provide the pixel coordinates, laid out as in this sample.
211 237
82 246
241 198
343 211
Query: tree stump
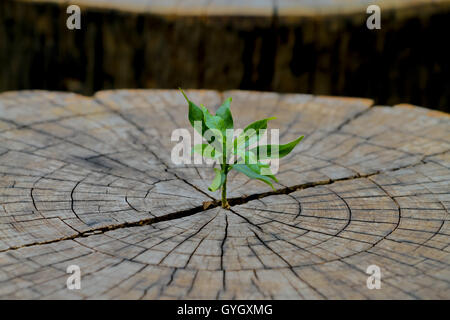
310 46
88 181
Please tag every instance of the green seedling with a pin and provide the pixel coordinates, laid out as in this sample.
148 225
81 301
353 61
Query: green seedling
234 152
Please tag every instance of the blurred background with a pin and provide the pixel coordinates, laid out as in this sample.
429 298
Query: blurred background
301 46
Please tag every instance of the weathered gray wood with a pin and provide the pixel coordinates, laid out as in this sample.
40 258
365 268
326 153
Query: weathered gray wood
89 181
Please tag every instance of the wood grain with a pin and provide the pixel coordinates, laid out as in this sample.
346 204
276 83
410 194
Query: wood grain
88 181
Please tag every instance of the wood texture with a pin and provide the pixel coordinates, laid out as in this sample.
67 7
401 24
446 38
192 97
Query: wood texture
88 181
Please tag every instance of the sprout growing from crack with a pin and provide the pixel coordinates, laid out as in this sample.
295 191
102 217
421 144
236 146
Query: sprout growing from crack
237 153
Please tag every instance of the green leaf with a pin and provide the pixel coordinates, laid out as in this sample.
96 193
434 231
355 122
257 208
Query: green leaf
283 149
195 113
249 172
219 125
213 122
218 181
214 129
224 113
206 150
251 161
252 133
215 138
260 124
266 167
257 169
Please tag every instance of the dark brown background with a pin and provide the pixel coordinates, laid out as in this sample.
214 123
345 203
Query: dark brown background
404 62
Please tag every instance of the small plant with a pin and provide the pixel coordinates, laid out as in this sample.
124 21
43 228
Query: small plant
237 153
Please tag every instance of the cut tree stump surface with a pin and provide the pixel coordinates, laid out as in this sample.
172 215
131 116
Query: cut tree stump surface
88 181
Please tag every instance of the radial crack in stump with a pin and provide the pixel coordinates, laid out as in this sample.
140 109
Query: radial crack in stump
90 182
